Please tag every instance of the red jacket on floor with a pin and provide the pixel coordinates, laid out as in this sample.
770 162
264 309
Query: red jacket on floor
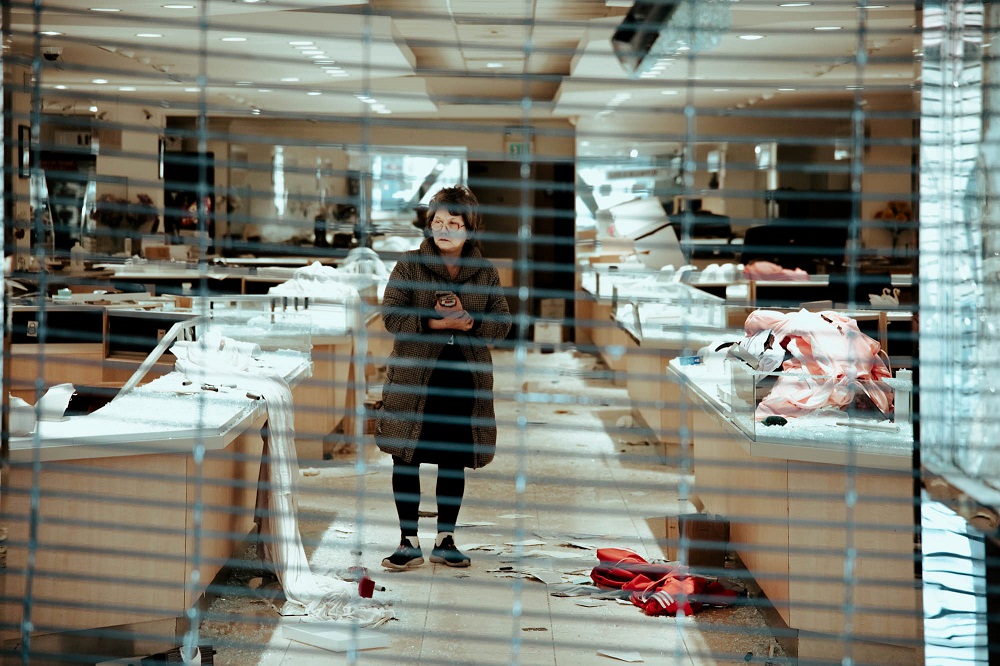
658 589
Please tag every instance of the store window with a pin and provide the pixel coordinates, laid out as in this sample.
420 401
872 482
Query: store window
405 177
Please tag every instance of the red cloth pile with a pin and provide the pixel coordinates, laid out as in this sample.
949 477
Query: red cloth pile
658 589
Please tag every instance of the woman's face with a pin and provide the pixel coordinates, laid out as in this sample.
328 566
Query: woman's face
449 232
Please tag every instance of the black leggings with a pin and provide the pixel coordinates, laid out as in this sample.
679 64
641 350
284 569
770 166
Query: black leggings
406 492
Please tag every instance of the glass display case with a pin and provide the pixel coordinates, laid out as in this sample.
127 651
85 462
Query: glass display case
857 423
653 309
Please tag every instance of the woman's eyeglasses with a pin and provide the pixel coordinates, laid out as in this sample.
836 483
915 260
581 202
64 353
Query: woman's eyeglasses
437 225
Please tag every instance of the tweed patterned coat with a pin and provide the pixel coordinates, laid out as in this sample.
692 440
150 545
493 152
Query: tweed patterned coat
407 305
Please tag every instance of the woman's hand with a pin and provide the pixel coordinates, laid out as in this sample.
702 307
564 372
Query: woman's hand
462 321
458 321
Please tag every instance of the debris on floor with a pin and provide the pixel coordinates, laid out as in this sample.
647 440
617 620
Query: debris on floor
334 636
247 624
622 655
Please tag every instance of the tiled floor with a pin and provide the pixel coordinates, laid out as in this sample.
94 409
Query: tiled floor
566 475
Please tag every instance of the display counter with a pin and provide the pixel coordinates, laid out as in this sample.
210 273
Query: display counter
139 504
821 515
324 401
638 327
113 339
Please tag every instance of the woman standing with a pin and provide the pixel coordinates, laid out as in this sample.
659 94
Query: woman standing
443 306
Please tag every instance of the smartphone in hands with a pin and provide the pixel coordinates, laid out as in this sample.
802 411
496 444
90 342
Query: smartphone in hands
446 299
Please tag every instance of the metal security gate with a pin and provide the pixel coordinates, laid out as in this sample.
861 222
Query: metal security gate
522 331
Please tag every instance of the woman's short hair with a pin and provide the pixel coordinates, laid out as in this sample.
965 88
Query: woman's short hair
458 200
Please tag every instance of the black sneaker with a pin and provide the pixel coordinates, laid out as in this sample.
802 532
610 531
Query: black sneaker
405 557
447 553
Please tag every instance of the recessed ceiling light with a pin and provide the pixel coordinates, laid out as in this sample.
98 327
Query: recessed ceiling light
60 87
250 2
795 4
494 65
751 38
92 108
786 89
104 9
311 51
151 35
313 93
290 79
178 6
720 89
234 39
264 90
301 43
319 56
50 33
127 88
683 48
99 81
192 90
340 74
828 27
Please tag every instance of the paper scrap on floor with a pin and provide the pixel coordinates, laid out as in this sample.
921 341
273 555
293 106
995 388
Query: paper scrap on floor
558 554
546 576
571 590
621 655
338 637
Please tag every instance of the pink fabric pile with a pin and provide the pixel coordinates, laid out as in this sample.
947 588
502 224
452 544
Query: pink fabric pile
766 270
832 356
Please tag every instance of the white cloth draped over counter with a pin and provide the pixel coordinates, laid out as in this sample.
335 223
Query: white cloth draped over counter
322 597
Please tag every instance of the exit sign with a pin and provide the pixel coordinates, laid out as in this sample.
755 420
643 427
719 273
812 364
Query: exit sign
517 140
518 148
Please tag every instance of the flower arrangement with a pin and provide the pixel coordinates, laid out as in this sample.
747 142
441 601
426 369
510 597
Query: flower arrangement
898 217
